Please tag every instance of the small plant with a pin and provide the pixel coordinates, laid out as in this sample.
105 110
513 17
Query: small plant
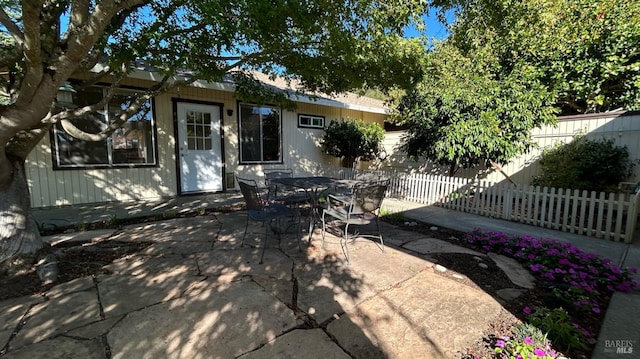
82 227
392 216
507 348
527 330
559 328
200 211
113 220
169 214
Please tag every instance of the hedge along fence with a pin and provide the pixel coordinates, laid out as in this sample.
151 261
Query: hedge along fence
611 216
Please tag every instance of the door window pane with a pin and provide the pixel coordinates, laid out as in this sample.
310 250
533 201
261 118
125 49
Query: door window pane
198 131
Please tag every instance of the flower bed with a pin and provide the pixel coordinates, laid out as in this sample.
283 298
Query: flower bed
578 287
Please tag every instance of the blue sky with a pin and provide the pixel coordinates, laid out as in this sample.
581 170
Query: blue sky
434 30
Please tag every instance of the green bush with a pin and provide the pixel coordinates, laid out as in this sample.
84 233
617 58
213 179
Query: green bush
352 140
593 165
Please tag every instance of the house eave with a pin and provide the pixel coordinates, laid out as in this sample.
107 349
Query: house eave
228 87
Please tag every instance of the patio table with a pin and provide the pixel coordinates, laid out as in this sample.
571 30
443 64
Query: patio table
313 187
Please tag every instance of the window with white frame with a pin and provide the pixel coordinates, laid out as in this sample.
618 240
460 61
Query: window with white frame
133 144
260 134
310 121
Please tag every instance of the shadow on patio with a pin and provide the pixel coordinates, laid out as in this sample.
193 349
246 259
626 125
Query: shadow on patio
182 298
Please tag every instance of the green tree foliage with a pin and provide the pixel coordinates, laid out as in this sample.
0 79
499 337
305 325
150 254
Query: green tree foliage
320 45
586 51
584 164
352 140
467 112
510 66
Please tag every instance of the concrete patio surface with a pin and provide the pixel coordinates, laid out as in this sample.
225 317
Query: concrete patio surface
195 293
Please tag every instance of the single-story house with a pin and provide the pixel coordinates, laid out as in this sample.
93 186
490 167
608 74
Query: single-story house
191 140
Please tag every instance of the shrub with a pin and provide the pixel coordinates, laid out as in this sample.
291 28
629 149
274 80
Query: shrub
593 165
352 140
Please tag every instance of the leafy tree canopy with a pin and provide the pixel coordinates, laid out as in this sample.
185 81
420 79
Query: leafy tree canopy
509 66
586 51
466 112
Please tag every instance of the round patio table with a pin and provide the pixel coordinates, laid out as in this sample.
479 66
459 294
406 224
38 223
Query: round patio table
313 187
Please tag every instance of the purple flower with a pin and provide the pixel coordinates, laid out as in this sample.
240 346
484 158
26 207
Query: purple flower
539 352
596 310
536 267
526 310
528 340
549 276
500 343
552 251
564 262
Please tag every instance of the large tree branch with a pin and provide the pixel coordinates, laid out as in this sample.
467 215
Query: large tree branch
31 12
569 101
79 39
14 30
79 13
65 118
83 111
24 141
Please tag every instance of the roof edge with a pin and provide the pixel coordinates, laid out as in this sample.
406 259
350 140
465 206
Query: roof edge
229 87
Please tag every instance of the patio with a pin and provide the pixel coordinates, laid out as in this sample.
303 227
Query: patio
180 298
84 318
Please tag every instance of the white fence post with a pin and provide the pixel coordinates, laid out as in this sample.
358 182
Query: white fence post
632 217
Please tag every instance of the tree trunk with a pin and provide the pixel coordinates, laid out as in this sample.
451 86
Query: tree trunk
349 162
453 168
18 230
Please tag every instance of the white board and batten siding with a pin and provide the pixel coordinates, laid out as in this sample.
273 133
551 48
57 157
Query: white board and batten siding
77 186
300 146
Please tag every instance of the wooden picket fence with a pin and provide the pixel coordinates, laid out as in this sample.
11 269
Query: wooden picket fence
611 216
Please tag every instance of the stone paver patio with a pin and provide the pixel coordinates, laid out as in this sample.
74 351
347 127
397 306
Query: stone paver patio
195 293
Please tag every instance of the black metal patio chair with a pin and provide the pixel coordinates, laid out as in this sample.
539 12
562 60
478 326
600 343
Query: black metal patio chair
264 211
360 208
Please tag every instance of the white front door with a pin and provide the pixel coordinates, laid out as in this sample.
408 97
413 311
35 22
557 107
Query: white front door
199 147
